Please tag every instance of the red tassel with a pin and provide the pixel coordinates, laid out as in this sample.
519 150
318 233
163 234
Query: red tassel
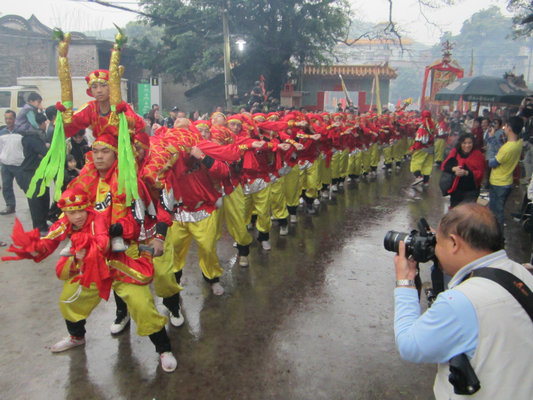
122 107
60 107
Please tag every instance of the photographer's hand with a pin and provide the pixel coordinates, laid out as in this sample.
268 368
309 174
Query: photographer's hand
405 267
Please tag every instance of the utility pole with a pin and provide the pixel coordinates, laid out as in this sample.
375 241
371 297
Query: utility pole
227 67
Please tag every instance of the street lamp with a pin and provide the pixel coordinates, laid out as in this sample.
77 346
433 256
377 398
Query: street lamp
240 44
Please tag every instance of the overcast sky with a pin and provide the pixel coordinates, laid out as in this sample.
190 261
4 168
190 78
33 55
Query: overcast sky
80 15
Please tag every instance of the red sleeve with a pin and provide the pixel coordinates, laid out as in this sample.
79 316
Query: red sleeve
227 153
218 169
273 125
81 119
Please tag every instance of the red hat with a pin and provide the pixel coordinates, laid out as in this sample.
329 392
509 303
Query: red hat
260 117
216 113
107 140
73 200
273 116
142 139
202 123
97 76
235 118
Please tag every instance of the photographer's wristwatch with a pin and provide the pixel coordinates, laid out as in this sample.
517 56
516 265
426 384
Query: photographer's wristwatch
405 283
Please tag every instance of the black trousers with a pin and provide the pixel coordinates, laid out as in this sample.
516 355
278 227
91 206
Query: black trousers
39 206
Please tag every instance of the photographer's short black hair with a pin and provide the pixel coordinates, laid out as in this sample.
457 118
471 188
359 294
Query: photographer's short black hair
516 124
475 224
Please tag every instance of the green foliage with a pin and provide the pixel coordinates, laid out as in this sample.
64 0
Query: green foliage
523 17
280 35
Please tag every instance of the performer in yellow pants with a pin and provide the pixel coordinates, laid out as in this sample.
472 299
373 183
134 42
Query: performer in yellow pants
202 227
278 204
77 302
440 144
310 180
292 192
259 203
233 213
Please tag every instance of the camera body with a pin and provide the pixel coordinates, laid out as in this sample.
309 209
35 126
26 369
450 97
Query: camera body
420 244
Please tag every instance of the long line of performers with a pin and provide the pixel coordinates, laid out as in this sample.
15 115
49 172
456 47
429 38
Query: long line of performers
191 179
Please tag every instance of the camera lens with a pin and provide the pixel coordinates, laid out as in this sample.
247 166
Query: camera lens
392 240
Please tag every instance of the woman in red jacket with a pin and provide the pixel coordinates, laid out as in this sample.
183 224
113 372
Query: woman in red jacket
468 165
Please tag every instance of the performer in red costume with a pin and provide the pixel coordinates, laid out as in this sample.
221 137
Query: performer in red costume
90 273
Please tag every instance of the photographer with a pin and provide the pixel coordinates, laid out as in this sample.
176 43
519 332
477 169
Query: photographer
476 316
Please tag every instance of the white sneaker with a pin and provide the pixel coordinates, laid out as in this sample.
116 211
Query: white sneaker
284 230
324 194
120 324
316 202
266 245
67 343
118 245
243 261
341 184
293 219
334 188
250 226
168 361
417 181
177 320
65 251
301 202
217 289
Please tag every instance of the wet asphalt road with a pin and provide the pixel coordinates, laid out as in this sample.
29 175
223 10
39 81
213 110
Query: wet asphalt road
311 319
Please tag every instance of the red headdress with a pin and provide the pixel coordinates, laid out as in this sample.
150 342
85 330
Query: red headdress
97 76
107 140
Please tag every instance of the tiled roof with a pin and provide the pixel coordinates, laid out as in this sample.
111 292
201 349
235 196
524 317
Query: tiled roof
354 71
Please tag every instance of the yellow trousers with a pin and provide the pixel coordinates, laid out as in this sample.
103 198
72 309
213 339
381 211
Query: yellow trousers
292 187
365 160
354 164
258 203
233 213
335 165
422 162
205 235
165 284
375 155
77 302
311 180
440 144
345 159
278 202
324 172
398 150
387 155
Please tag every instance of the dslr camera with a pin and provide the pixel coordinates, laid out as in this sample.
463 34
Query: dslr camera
420 244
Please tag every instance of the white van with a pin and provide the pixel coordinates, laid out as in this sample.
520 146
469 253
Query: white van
14 98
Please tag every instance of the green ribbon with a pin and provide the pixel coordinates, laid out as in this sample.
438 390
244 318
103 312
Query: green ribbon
68 104
127 174
52 165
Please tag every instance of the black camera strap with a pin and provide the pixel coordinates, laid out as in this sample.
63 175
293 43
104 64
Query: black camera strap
518 289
